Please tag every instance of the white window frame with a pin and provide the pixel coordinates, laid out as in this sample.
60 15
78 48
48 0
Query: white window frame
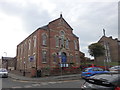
34 39
44 56
44 39
29 44
57 41
67 44
75 44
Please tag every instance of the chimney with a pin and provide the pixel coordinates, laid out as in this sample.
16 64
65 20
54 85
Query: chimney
116 39
110 37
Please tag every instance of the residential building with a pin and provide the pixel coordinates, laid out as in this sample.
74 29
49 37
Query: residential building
9 63
50 46
112 49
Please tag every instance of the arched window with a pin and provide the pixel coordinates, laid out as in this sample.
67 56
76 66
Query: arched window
62 42
75 44
57 41
29 44
21 50
62 33
62 39
67 44
34 41
54 57
44 39
25 48
44 56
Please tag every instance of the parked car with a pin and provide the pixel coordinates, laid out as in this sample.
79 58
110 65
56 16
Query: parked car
3 72
114 69
87 72
102 82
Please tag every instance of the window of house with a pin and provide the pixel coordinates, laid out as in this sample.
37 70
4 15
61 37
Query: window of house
62 33
21 50
62 42
25 48
44 39
44 56
54 57
29 44
57 41
62 38
75 44
34 39
67 43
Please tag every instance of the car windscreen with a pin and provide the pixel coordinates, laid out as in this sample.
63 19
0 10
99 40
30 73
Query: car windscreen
86 69
3 70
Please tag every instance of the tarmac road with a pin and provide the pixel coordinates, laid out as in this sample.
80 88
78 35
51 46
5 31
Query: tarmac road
13 83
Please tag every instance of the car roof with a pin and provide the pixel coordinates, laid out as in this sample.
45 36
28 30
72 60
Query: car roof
91 67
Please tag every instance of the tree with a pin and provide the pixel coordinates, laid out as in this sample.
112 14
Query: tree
96 50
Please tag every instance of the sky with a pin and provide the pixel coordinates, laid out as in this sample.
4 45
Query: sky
19 18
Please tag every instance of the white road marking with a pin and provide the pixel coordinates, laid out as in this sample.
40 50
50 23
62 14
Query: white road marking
43 83
27 86
17 87
20 81
52 82
35 85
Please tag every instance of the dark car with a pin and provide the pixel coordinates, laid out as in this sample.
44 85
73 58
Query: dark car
102 81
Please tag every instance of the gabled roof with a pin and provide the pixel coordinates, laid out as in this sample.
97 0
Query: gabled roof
61 17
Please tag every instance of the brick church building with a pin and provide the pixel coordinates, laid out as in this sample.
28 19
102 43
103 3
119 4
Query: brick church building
50 46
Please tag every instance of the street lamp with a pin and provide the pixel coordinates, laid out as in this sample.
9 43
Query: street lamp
24 69
5 53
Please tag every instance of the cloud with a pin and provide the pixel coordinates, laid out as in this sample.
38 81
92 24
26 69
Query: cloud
21 17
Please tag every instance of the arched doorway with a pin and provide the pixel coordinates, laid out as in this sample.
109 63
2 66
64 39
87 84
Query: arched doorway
64 57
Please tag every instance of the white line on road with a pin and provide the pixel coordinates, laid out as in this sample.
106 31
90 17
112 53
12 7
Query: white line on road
35 85
16 87
27 86
43 83
52 82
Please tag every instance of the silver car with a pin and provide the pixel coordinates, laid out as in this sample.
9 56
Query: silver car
115 69
3 72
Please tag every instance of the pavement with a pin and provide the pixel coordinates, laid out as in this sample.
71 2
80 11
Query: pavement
45 79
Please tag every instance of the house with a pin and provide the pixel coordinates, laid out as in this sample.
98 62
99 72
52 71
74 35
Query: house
9 63
112 49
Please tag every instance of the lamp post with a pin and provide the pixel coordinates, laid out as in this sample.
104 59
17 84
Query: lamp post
60 58
6 61
24 69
